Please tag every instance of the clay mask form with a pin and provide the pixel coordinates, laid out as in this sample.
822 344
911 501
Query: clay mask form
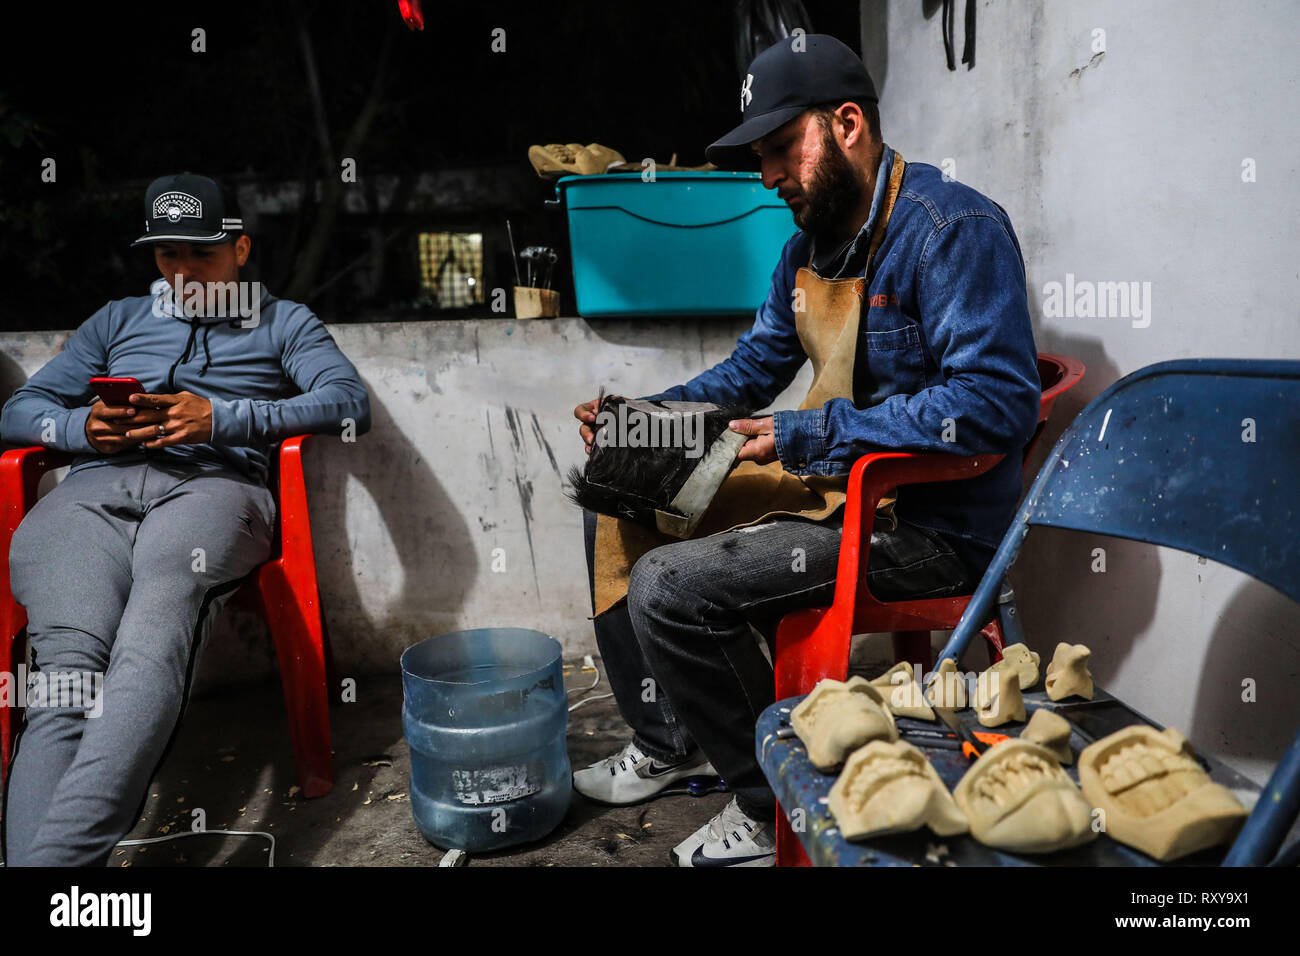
1017 798
891 788
1023 661
838 718
997 697
902 692
1068 674
1052 732
1157 798
946 687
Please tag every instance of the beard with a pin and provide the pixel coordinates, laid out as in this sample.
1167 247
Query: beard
832 195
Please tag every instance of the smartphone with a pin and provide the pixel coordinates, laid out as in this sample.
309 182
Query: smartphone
115 391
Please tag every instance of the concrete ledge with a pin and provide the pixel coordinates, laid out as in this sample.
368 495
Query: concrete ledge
473 434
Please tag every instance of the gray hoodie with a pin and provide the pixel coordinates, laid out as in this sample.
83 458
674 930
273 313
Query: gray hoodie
282 376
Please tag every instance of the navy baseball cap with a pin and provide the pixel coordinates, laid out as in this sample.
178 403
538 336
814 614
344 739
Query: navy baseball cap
791 76
189 208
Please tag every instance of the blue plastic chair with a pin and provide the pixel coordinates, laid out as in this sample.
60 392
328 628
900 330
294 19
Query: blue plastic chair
1163 456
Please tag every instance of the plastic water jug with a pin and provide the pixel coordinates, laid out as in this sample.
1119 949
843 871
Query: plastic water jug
484 712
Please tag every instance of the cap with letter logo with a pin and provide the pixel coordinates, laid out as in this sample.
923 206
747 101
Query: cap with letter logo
189 208
791 76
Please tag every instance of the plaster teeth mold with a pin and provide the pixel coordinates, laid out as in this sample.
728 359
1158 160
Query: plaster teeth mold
1051 732
889 787
838 718
1068 674
947 688
902 692
1156 797
997 697
1023 661
1017 798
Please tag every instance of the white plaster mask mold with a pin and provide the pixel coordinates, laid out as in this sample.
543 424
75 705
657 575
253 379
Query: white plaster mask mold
1023 661
1017 798
1068 674
902 692
997 697
1156 796
947 688
1051 732
889 787
839 717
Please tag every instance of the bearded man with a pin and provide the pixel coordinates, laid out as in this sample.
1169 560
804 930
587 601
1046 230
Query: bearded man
906 289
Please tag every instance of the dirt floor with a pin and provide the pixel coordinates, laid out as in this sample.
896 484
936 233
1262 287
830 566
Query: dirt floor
232 761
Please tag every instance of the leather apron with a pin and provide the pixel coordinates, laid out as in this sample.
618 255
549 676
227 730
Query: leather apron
828 326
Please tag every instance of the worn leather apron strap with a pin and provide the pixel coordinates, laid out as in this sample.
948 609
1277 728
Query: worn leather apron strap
828 319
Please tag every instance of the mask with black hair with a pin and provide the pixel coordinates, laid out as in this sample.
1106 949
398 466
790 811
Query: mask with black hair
657 463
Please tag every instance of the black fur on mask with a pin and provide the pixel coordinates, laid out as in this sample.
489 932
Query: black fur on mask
634 482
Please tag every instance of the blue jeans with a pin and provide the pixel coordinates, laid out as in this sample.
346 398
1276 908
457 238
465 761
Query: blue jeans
684 632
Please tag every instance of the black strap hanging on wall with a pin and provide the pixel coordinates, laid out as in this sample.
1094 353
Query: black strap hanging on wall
968 43
761 23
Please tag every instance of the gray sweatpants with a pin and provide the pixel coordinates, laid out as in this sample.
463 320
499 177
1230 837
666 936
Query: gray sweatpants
119 568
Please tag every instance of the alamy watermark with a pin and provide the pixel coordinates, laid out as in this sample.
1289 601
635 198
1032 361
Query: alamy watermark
1085 299
83 690
221 300
634 428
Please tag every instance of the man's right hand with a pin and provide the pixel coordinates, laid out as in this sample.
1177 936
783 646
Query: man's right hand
106 427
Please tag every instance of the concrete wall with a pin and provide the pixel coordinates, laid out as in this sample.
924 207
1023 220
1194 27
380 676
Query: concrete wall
1127 165
473 434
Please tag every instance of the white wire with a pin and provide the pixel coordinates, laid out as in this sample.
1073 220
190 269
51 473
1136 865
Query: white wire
190 833
583 690
588 700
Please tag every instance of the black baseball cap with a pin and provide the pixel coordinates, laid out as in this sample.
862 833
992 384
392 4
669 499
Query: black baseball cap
791 76
186 207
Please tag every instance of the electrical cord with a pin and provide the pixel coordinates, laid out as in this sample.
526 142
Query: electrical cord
191 833
587 661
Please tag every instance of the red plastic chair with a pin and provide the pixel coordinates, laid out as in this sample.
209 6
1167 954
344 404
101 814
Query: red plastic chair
813 643
285 593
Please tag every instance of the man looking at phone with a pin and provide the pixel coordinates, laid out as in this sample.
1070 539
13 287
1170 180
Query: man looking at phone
164 511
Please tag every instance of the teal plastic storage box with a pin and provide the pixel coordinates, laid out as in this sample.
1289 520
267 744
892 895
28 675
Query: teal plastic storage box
701 243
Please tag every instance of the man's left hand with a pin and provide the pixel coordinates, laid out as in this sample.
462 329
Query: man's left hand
761 447
186 419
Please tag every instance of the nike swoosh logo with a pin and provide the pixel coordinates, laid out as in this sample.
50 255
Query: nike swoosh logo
652 772
699 859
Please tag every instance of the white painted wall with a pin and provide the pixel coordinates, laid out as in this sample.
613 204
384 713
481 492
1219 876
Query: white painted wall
1127 166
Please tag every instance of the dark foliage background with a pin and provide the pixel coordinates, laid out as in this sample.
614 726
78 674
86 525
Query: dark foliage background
114 93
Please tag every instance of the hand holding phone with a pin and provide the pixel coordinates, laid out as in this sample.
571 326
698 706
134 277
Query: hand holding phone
112 416
116 391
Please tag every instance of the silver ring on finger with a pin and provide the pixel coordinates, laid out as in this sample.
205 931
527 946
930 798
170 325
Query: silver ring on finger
162 430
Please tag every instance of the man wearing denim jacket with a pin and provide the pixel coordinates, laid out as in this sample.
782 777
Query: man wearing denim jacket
946 362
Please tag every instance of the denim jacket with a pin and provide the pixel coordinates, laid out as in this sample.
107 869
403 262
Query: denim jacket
946 359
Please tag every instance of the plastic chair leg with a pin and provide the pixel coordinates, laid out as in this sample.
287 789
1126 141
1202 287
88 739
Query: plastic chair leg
810 644
992 634
296 628
789 851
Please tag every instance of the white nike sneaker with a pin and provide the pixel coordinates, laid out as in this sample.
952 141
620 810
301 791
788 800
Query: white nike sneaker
729 839
630 776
